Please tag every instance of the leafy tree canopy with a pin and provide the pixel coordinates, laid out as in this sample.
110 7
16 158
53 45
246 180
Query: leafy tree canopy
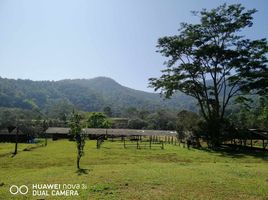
98 120
212 62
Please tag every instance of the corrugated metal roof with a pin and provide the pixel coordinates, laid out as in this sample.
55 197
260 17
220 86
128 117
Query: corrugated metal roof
59 130
13 132
128 132
95 131
123 132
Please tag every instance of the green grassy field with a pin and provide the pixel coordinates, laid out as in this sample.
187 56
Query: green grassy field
113 172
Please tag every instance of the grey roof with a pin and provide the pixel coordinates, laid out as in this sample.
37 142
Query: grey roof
13 132
4 131
118 132
261 133
95 131
129 132
60 130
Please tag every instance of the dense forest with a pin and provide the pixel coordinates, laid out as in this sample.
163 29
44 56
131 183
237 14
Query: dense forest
52 97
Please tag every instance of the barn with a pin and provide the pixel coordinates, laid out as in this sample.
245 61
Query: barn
6 136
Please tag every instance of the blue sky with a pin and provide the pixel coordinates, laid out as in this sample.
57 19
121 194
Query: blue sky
59 39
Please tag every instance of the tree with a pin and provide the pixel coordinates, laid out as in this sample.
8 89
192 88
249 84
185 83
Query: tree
98 120
59 109
188 126
108 111
213 63
130 112
253 115
8 119
264 113
162 120
137 123
143 114
79 137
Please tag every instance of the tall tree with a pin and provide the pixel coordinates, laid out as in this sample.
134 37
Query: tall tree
212 62
98 120
79 137
8 119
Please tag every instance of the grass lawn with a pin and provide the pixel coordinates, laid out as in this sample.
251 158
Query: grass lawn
113 172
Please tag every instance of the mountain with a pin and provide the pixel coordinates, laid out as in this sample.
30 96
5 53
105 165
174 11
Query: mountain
84 94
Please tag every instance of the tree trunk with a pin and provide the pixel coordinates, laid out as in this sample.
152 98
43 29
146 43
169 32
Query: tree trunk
45 139
78 162
212 127
198 144
16 142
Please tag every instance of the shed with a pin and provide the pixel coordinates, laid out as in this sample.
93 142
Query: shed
58 133
6 136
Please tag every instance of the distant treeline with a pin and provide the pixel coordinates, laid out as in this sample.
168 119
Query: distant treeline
53 97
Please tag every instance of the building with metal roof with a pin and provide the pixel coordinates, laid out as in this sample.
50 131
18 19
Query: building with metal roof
110 132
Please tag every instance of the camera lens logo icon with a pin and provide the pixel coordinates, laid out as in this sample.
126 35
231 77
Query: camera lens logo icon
14 189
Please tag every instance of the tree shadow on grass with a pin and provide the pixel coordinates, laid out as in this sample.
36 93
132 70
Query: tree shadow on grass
13 155
105 147
82 171
238 152
6 154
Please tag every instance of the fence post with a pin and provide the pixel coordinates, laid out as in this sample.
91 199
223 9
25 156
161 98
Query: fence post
98 143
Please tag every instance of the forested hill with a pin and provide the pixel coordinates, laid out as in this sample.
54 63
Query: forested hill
84 94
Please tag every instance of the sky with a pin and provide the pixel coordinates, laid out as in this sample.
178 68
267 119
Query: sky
64 39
